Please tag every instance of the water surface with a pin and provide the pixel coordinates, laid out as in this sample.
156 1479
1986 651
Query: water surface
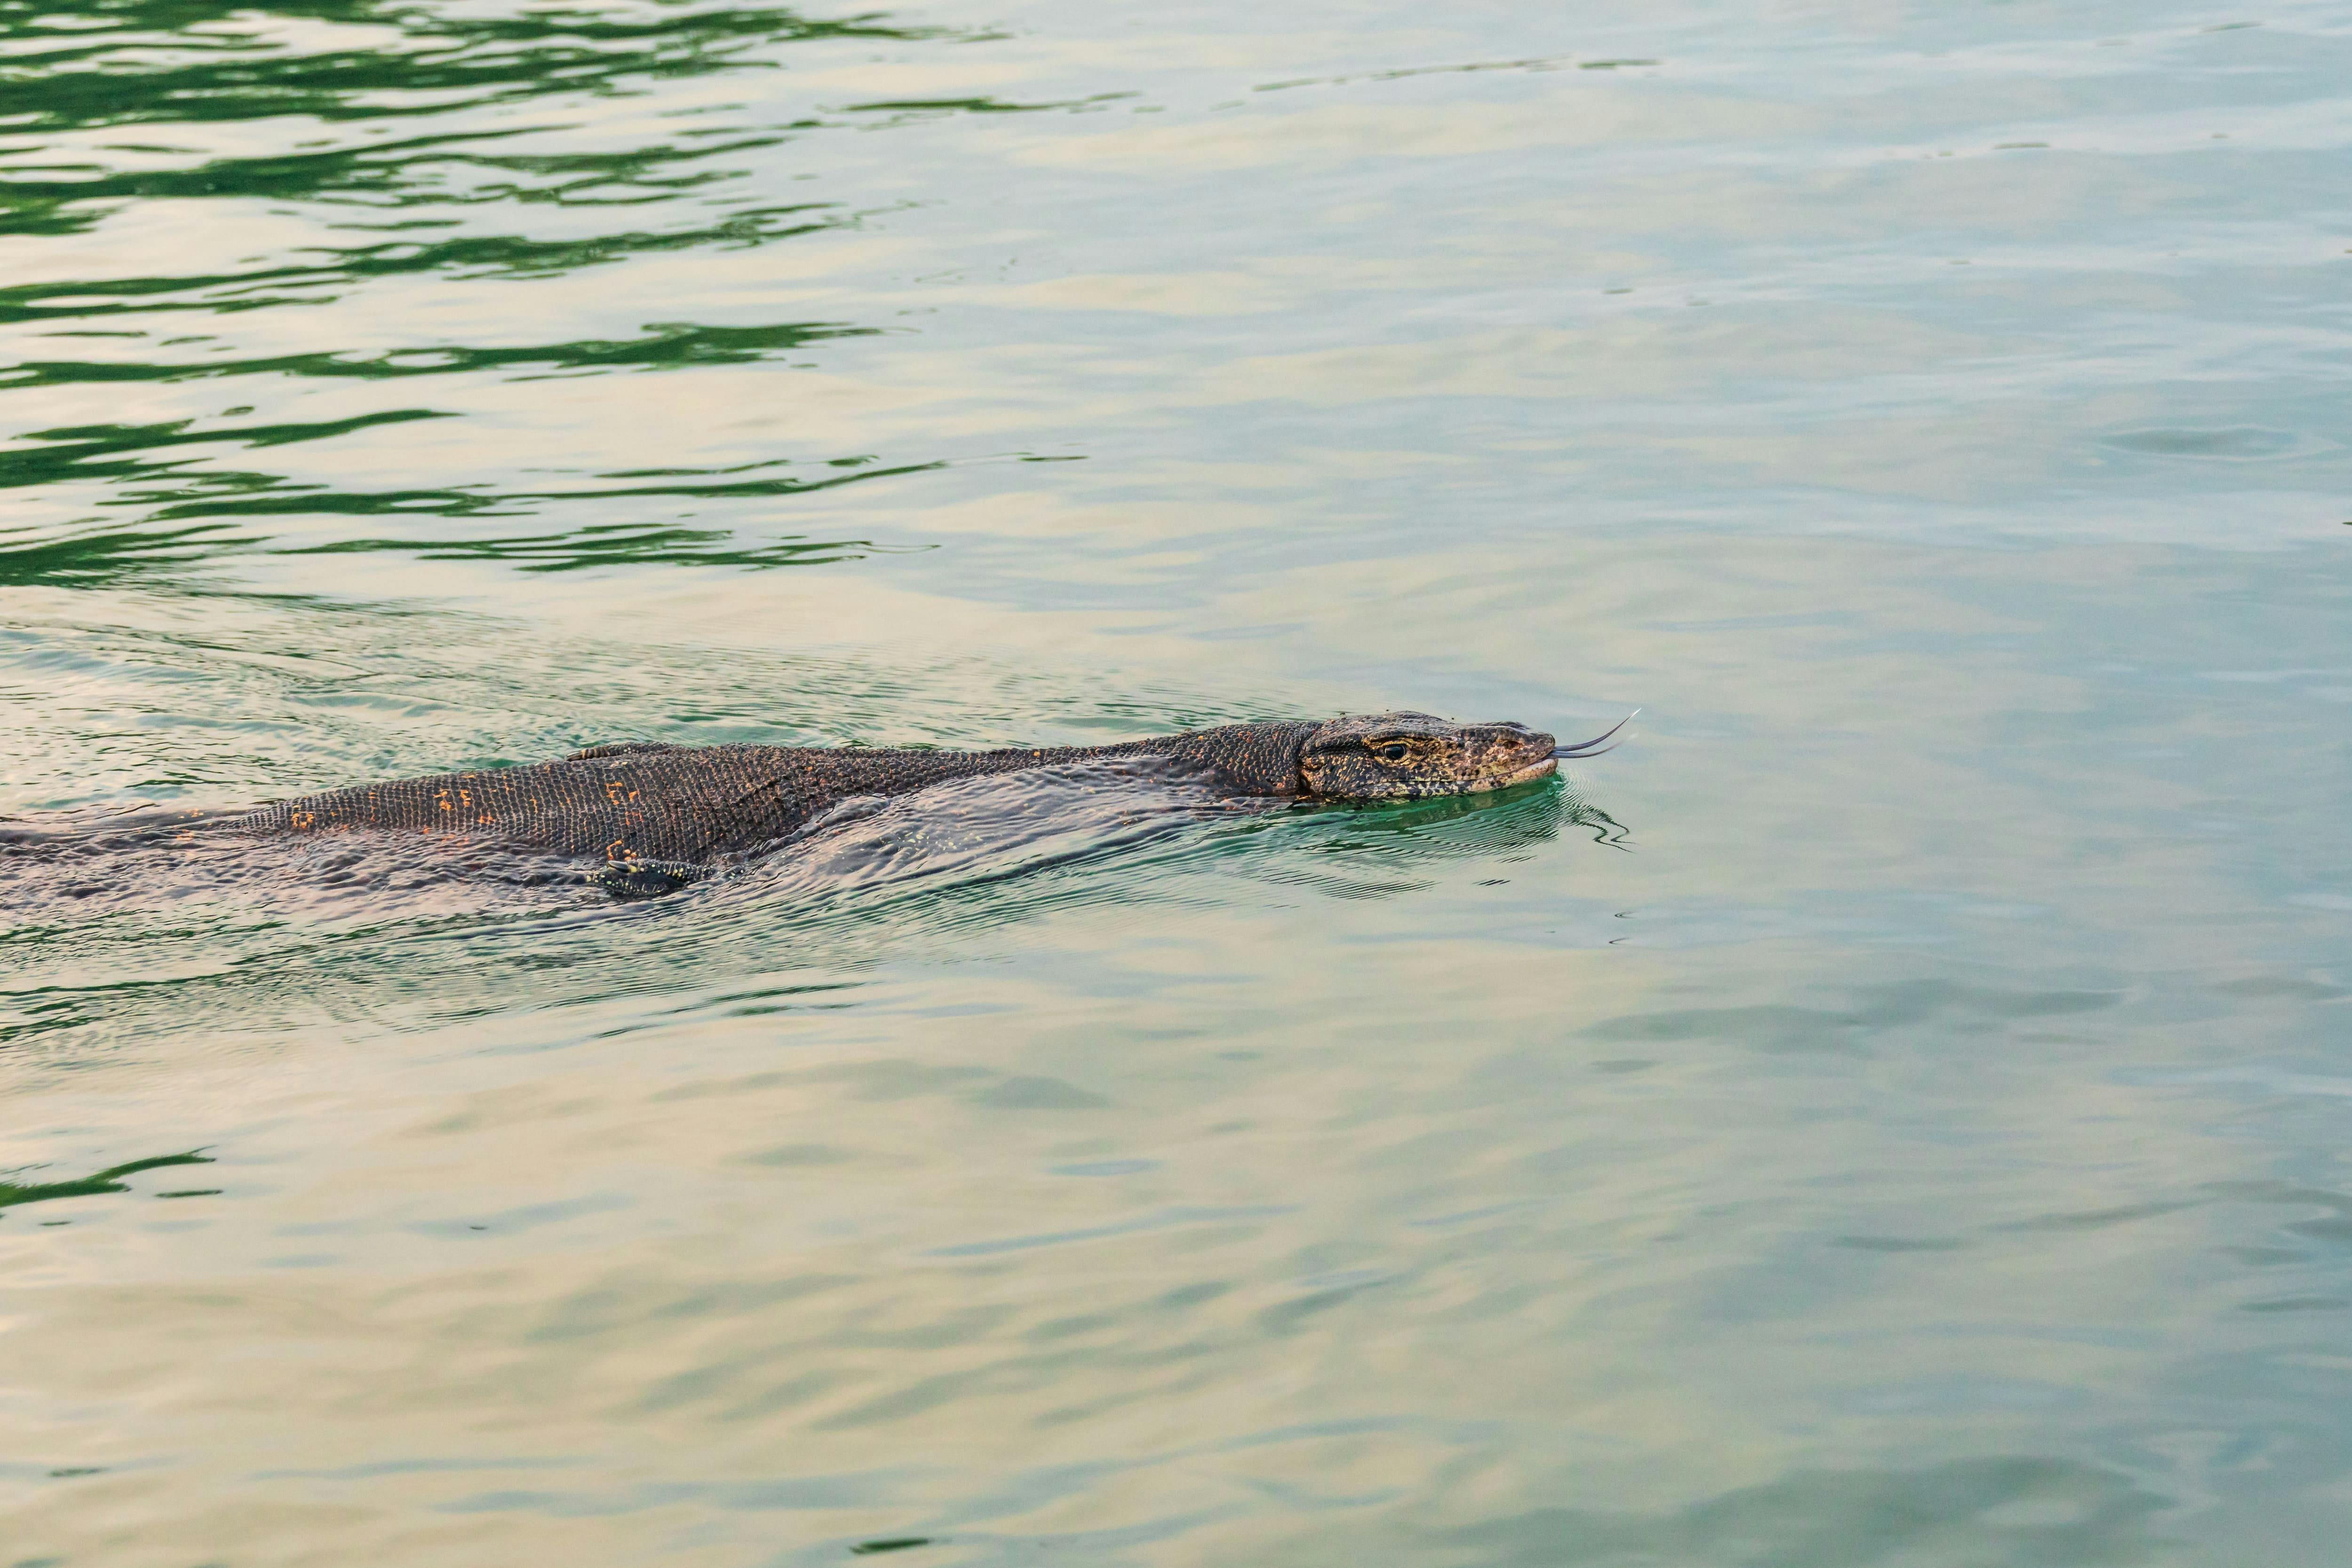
1893 1112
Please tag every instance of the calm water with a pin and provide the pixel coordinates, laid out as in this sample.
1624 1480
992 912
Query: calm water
1896 1110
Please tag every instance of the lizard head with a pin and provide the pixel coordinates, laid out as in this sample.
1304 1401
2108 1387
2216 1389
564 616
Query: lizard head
1410 756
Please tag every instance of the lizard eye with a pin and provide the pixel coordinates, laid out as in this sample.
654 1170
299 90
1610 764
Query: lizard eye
1392 751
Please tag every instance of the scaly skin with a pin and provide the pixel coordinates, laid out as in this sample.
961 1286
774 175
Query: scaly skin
680 805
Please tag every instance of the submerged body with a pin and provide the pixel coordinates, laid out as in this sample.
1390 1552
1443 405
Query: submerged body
640 802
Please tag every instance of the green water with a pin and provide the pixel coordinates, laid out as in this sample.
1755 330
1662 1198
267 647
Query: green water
1896 1110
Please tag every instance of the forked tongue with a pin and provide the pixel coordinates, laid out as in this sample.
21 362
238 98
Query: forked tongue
1594 747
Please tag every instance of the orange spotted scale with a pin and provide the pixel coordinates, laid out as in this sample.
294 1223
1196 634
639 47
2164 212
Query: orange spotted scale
657 814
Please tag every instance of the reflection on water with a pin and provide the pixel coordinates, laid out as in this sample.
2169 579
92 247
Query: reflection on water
1890 1113
99 1182
413 167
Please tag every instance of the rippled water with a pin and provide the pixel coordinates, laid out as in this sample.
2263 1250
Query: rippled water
1893 1112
